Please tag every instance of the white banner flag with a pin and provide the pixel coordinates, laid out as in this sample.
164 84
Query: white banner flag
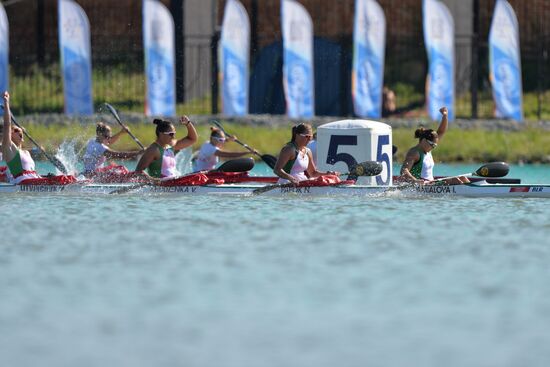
76 58
234 50
439 37
4 50
298 76
159 48
505 62
369 45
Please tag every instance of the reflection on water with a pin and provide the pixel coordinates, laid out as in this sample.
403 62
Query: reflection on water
225 281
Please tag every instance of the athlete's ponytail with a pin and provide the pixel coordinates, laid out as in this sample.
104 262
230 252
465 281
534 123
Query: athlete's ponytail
162 126
422 133
216 133
300 129
102 130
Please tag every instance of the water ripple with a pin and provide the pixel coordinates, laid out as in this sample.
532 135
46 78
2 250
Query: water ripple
156 280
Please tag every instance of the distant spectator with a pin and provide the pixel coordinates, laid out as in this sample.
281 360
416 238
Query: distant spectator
389 106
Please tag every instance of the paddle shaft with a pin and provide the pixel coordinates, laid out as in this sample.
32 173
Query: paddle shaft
263 189
267 188
451 177
56 162
115 114
369 168
126 189
246 146
493 169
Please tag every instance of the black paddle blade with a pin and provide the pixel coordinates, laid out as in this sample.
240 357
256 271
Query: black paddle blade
237 165
368 168
267 188
113 111
59 165
218 125
493 169
269 160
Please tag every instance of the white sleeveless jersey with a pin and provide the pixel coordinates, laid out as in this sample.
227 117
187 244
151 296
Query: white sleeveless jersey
207 158
300 165
428 167
94 157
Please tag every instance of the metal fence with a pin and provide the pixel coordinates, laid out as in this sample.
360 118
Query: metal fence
35 78
406 61
117 57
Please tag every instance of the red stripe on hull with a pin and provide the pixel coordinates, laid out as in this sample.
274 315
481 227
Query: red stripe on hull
520 189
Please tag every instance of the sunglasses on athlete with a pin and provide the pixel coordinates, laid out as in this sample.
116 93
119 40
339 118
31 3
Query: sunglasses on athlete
309 136
221 140
432 144
171 133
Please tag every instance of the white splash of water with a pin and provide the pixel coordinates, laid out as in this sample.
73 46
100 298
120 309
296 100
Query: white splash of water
183 161
66 153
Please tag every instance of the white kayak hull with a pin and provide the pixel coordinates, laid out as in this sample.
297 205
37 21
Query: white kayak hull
469 190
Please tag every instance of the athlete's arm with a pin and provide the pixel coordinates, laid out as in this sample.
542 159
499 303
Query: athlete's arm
287 154
8 150
312 169
191 137
152 153
442 129
113 139
411 159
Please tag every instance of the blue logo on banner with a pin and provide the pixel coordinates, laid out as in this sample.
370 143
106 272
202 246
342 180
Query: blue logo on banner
507 84
78 83
4 70
160 84
234 85
300 80
369 84
441 85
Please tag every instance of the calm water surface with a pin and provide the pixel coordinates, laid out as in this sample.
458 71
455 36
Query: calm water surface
226 281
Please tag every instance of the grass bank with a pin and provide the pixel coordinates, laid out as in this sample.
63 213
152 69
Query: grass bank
38 90
459 145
